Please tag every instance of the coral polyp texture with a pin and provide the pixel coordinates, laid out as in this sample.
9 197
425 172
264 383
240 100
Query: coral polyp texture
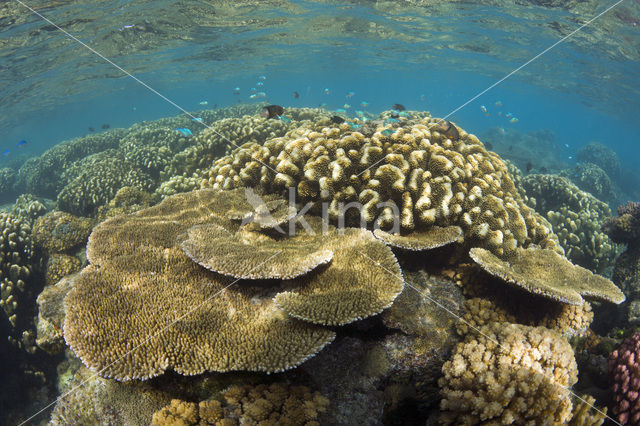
545 272
625 229
625 377
509 373
143 306
408 173
275 404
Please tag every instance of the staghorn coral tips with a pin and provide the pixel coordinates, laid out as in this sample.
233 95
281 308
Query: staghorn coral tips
428 239
252 255
547 273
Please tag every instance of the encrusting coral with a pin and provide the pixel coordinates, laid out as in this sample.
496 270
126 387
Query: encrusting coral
266 405
509 373
139 281
429 178
576 217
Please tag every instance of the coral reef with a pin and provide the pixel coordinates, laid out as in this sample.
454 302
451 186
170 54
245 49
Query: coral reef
429 178
576 217
625 373
7 178
60 265
99 177
59 232
625 229
156 283
177 184
592 179
545 272
51 316
43 175
603 157
16 255
275 404
509 373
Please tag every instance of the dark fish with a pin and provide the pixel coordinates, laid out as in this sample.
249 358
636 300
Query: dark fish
488 145
543 170
296 95
91 129
529 166
105 126
215 106
448 129
510 147
398 107
22 143
337 119
395 115
272 111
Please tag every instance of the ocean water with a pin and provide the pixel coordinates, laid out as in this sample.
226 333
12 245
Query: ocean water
535 80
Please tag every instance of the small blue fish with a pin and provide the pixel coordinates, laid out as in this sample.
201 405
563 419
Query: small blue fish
364 104
350 95
259 83
5 152
262 77
391 120
236 90
346 106
322 105
422 97
284 118
22 143
508 115
360 113
184 131
354 126
403 113
197 119
513 120
387 132
327 91
498 104
341 111
203 103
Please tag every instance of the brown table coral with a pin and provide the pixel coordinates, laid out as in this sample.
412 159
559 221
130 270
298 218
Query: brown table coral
143 306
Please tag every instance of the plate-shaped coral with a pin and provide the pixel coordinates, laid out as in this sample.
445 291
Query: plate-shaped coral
363 279
253 255
143 306
427 239
547 273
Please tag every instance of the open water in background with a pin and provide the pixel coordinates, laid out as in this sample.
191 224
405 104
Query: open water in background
584 89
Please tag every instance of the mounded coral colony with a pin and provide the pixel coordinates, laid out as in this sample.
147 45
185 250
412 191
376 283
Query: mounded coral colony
214 279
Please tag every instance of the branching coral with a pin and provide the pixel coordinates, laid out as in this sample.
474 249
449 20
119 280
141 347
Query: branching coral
576 217
509 373
275 404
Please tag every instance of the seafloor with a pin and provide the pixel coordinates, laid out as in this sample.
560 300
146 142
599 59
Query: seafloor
143 284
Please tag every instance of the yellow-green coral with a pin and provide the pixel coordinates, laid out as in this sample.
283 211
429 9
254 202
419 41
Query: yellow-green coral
428 239
429 178
249 255
507 374
16 254
58 232
545 272
140 283
576 217
267 405
60 265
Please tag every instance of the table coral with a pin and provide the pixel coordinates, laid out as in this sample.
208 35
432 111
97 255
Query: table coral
545 272
227 325
509 373
429 178
625 374
576 217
